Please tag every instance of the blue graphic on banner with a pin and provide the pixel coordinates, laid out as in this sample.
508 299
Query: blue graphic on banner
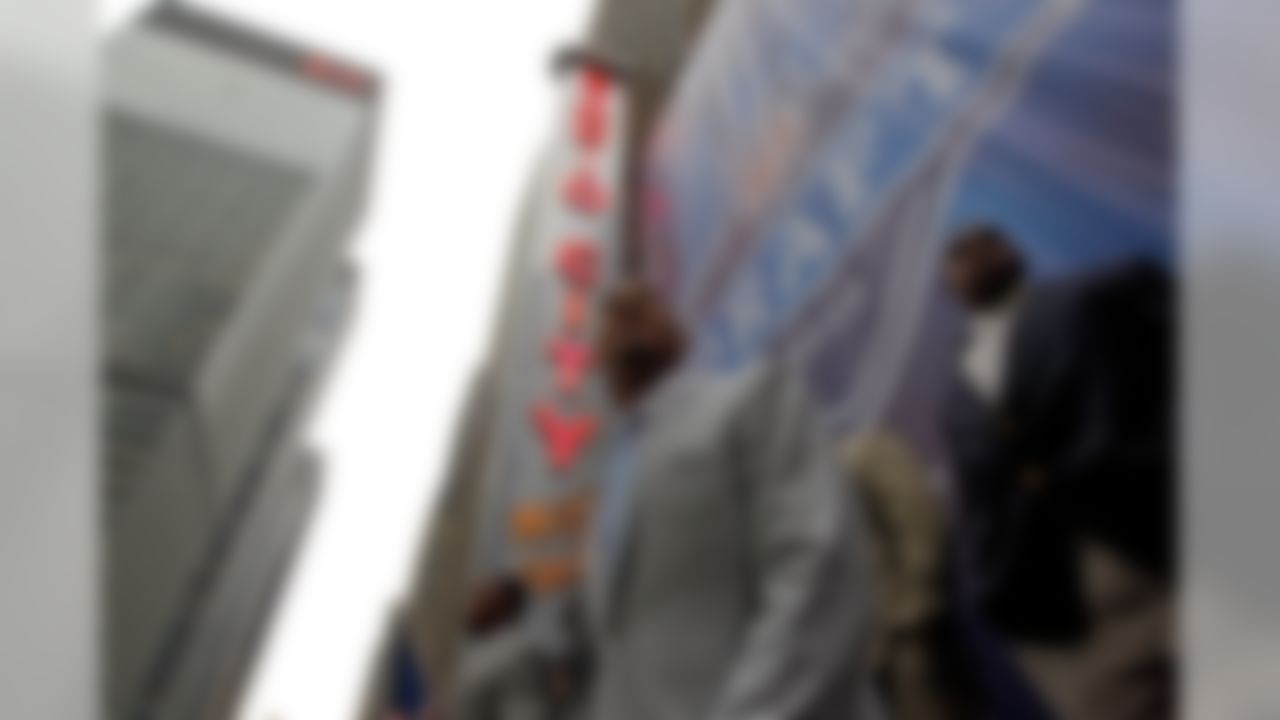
815 159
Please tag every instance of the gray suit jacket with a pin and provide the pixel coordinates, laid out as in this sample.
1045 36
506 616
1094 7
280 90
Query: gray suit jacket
737 594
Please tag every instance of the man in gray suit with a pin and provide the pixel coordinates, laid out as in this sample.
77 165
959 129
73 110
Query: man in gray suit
722 581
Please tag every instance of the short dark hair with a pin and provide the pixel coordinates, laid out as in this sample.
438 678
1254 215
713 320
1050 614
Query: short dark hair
979 233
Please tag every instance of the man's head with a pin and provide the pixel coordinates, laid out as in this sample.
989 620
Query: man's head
984 267
496 604
640 340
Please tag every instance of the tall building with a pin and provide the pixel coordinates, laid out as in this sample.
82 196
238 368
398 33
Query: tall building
236 165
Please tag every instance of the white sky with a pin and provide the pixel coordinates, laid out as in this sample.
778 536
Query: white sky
471 99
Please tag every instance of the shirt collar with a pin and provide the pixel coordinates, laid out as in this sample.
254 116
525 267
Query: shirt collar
666 392
994 319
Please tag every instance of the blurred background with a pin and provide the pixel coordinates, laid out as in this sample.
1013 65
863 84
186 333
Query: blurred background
301 366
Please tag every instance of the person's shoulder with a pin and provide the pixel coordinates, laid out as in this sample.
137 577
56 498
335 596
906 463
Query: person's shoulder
1125 277
1109 293
691 394
707 393
767 390
718 388
760 391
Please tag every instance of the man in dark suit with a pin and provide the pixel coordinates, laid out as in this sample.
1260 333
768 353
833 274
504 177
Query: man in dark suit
1061 430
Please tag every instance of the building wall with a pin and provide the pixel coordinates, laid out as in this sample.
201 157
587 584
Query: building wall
48 493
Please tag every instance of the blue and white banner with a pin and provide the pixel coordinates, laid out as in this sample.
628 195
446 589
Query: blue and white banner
818 154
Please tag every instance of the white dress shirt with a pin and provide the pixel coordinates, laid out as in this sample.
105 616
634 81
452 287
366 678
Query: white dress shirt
984 361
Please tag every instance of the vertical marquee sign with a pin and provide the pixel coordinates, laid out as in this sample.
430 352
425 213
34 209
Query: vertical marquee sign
540 478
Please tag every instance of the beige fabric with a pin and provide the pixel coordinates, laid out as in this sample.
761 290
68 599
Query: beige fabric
1123 670
907 521
908 530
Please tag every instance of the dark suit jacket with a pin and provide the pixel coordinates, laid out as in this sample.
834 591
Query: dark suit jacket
1080 443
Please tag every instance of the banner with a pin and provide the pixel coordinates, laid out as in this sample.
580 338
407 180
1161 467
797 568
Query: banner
817 156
